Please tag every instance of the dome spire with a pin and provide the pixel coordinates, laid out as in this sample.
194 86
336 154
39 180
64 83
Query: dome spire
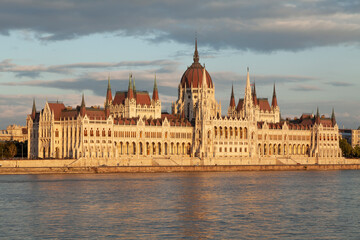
196 54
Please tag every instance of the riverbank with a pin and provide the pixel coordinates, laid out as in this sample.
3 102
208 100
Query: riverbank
161 169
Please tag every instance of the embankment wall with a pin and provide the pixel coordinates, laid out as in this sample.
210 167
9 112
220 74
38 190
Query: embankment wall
162 169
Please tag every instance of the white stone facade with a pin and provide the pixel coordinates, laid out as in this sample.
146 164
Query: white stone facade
132 132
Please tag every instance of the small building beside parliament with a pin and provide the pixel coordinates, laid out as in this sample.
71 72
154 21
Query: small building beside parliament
132 130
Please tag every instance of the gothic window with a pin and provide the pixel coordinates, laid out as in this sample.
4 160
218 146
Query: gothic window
97 133
57 133
103 133
188 110
109 133
91 132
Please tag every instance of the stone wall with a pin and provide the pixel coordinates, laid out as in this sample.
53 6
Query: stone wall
174 161
150 169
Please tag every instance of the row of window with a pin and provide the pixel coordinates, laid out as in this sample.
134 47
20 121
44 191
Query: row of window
226 132
231 149
97 132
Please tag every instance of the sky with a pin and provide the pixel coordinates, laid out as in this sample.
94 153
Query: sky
58 50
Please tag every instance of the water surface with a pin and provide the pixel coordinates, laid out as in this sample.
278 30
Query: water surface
241 205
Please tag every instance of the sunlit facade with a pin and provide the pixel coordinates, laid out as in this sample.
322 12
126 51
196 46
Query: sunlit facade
131 125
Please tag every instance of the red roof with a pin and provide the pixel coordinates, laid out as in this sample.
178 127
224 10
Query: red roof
56 108
264 104
69 114
119 98
93 113
240 105
142 98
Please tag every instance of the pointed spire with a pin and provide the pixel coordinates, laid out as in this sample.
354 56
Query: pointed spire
130 93
33 112
255 100
83 101
155 96
333 120
232 98
196 54
248 103
82 107
108 92
134 88
109 87
274 99
317 118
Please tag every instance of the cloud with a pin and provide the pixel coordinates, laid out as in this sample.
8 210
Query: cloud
35 71
340 84
259 25
305 88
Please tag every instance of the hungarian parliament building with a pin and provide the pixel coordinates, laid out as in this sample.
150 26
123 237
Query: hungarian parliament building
131 129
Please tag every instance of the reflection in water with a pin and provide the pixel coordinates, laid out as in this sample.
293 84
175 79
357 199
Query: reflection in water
246 205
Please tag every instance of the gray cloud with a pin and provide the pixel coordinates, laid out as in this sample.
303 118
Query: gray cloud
36 70
305 88
260 25
340 84
225 79
98 87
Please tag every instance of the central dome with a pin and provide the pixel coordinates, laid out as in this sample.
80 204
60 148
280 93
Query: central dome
194 74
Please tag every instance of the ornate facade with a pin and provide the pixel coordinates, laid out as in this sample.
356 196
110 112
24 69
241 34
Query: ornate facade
131 126
14 133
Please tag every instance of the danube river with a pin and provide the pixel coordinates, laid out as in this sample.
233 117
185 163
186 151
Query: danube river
233 205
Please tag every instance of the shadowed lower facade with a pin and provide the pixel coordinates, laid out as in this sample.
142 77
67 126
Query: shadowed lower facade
131 127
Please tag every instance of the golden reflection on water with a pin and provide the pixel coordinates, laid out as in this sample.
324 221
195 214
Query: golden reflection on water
242 205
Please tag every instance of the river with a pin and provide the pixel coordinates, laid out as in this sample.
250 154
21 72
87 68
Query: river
225 205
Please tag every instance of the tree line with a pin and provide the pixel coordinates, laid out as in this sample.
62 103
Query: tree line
348 151
11 149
